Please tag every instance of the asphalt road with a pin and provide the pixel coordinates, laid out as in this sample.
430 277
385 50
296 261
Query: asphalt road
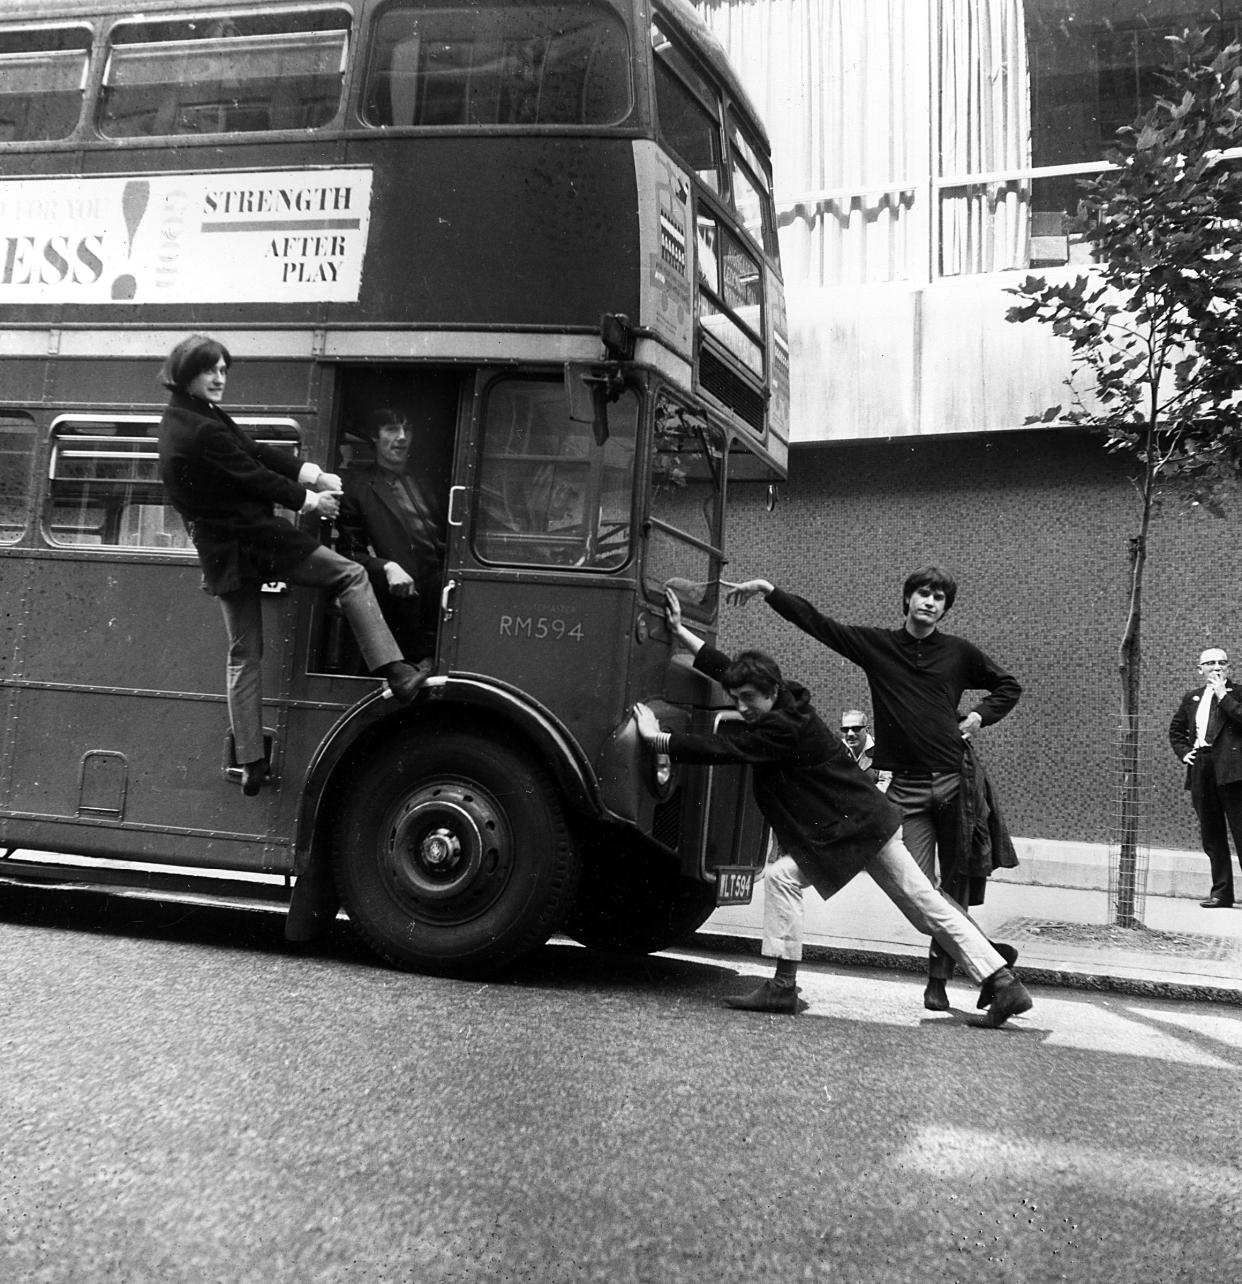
185 1099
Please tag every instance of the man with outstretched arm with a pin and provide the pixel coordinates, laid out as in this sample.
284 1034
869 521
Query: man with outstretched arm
829 820
918 675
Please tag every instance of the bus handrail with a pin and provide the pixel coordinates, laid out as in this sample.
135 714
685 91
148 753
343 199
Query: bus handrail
685 536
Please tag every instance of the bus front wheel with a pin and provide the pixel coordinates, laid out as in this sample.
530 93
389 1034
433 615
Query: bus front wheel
453 855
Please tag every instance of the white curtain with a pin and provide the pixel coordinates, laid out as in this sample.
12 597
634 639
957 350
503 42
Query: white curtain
984 128
847 91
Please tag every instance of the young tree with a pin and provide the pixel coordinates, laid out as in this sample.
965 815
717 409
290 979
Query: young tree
1155 330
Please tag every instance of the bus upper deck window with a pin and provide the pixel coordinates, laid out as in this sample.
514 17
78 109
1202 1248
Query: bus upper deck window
498 64
751 191
689 112
42 76
225 73
17 455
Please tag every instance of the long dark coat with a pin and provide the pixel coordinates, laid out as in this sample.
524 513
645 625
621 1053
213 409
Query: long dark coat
821 805
225 487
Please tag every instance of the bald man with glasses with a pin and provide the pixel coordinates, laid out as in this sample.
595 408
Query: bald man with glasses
1206 735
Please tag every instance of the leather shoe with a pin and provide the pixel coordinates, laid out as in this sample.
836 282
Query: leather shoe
769 997
987 990
1215 902
253 775
1010 999
404 679
935 996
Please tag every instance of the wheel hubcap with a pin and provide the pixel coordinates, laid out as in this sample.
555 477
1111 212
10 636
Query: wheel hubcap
447 850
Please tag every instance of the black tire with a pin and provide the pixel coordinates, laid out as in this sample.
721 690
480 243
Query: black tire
632 901
453 855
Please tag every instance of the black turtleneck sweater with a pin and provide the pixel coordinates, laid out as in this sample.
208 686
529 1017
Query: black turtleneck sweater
916 685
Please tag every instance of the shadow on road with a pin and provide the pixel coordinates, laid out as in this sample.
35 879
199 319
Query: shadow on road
117 913
561 964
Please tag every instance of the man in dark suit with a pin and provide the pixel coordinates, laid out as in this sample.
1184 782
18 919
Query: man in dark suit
392 523
1206 734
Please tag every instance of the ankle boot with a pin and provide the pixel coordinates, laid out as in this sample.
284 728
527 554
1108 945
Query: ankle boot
1010 998
404 679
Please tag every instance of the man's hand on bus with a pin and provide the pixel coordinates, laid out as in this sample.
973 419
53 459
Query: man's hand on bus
741 593
400 581
647 723
672 607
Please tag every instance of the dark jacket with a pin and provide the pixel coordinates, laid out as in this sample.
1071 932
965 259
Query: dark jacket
824 810
1224 733
225 486
371 519
984 834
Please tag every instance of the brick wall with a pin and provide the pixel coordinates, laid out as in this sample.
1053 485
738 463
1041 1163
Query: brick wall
1034 525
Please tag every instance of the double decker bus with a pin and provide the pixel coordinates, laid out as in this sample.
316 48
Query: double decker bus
545 231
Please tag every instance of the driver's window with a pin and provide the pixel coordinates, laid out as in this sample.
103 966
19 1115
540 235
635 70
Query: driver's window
549 492
683 550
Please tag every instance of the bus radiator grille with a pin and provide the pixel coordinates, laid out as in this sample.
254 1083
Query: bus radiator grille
666 822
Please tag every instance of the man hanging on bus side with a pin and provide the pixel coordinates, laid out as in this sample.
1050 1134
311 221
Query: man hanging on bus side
226 486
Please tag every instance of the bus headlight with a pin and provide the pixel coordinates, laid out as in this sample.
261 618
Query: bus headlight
661 773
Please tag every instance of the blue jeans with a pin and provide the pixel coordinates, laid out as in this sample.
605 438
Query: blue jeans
243 620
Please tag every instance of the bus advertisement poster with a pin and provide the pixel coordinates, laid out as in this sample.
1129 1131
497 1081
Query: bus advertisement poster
241 236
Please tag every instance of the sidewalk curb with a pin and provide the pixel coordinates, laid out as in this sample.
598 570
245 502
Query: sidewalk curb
1064 978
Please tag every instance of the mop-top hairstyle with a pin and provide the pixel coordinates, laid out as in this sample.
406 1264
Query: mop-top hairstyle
189 359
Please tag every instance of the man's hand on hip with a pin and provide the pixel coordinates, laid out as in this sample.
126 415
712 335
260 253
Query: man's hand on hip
969 724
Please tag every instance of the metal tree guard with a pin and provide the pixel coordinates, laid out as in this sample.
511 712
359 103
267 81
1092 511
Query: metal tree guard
1129 844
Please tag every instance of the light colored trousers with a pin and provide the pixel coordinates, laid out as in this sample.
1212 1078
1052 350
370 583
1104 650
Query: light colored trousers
904 883
328 571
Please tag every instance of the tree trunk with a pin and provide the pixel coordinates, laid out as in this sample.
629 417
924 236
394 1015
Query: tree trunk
1130 667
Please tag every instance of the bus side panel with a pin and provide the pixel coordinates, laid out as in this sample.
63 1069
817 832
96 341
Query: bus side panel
119 715
556 641
13 569
500 231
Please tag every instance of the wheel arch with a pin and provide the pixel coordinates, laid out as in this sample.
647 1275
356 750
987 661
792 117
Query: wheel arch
369 724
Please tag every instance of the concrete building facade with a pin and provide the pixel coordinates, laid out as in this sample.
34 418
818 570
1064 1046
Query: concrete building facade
911 391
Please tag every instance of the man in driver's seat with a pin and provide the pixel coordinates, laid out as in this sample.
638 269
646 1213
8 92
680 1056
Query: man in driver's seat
392 523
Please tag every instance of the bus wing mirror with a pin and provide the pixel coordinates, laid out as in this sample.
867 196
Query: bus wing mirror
586 392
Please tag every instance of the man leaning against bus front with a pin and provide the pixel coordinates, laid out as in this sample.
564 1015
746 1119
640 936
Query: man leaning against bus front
392 524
